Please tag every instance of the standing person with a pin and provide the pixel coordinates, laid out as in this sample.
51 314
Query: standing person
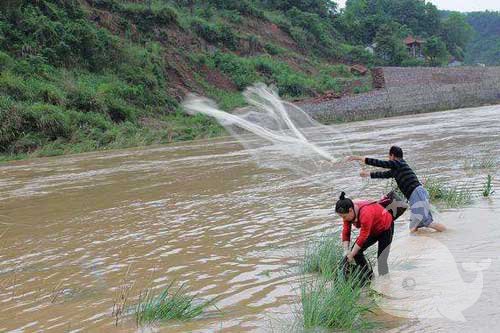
409 185
376 224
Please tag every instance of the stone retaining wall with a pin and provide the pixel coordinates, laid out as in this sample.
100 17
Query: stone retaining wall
411 90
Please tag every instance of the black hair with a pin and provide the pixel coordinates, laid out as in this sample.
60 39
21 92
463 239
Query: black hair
343 204
396 151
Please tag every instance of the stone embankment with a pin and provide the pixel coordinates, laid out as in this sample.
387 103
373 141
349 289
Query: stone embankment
409 90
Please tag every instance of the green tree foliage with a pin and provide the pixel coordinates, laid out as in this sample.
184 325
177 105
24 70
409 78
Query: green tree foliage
362 20
435 51
390 48
323 8
484 47
456 33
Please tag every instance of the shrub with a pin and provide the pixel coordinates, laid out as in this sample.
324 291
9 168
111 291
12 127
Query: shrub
46 92
11 122
355 54
119 111
217 33
28 143
84 98
14 86
6 62
273 49
241 71
144 15
50 120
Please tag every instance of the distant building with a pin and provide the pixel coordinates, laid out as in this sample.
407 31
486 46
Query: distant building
414 46
454 63
371 48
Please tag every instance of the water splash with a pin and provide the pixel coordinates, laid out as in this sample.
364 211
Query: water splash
276 133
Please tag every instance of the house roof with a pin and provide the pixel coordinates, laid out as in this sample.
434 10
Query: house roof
411 40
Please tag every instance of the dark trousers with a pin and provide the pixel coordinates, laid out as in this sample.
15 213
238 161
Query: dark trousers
384 240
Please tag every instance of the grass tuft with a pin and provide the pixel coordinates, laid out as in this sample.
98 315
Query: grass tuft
323 256
488 187
328 299
451 196
334 304
170 304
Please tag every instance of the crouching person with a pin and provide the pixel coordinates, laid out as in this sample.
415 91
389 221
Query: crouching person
376 225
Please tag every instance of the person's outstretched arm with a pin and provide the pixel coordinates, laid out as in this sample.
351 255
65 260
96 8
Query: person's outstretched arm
375 162
382 174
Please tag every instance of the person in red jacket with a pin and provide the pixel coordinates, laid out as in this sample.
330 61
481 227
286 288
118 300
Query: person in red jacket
376 224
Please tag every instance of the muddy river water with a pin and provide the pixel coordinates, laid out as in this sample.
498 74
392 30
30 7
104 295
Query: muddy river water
75 231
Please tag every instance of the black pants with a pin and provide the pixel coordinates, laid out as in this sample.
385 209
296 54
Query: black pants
384 243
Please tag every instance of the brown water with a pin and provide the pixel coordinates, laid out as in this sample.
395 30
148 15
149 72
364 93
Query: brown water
205 214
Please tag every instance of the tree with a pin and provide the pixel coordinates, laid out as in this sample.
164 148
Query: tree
484 47
435 51
456 33
323 8
390 48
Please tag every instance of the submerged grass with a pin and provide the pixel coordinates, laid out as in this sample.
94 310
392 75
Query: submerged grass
485 163
488 187
170 304
334 304
323 256
328 299
451 196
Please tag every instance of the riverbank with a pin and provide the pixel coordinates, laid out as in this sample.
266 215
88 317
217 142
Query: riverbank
412 90
400 91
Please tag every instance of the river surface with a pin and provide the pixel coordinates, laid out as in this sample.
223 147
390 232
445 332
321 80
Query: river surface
76 232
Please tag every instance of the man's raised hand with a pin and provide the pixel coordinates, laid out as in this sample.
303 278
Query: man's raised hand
364 173
355 158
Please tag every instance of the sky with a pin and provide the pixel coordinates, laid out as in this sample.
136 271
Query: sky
459 5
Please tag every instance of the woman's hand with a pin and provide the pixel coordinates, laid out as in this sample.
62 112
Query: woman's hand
350 257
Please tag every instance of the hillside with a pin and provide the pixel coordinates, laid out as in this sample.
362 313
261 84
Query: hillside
81 75
485 46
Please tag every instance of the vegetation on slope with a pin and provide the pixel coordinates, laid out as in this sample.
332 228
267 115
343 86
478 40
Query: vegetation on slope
81 75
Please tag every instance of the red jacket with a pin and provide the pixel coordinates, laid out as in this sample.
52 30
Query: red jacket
373 219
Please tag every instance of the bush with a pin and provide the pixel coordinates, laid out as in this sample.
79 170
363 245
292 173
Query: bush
60 33
273 49
11 122
120 111
6 62
13 85
84 98
413 62
49 120
240 70
28 143
46 92
215 33
144 16
356 55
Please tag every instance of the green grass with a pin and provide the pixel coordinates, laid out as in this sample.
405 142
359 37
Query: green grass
450 196
329 300
334 304
479 164
170 304
488 187
323 256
